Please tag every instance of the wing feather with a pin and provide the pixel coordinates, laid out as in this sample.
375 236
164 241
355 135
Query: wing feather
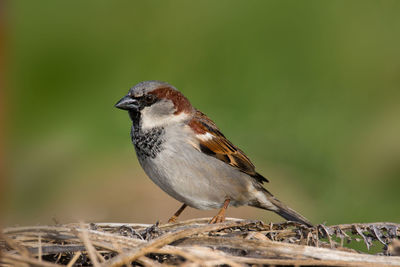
213 143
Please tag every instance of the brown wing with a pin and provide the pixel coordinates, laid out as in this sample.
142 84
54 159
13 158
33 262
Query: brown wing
213 143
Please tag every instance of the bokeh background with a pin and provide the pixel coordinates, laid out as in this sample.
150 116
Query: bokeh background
308 89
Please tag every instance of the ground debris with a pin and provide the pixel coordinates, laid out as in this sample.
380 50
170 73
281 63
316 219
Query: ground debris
235 242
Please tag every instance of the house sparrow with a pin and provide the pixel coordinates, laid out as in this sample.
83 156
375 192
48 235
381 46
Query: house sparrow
186 155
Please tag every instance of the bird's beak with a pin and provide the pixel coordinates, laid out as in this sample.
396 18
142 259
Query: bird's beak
127 103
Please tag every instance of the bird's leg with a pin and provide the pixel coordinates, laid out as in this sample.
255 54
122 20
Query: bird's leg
177 213
220 217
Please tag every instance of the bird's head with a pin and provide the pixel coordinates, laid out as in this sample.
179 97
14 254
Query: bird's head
156 104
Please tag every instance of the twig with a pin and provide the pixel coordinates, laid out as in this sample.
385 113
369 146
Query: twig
89 247
32 261
148 262
15 245
300 262
40 247
142 250
74 259
274 248
195 243
327 234
363 236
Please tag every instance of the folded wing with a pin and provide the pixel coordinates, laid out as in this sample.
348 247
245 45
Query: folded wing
213 143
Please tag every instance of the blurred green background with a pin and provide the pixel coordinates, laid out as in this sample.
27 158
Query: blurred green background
308 89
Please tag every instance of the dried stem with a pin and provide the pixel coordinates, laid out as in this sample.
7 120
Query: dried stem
196 243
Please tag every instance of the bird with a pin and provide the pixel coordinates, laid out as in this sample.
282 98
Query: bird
184 152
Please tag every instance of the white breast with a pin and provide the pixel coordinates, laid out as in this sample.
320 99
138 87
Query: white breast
194 178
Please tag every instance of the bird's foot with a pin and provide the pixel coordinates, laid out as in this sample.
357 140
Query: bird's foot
173 219
219 218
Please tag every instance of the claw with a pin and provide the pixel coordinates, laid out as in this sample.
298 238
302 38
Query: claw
173 219
217 219
220 217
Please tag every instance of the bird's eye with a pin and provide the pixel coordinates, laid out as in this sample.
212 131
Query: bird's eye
149 98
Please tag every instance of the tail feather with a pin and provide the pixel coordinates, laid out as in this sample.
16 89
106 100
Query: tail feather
291 215
281 209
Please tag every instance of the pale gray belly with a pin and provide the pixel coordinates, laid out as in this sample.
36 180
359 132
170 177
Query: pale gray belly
196 179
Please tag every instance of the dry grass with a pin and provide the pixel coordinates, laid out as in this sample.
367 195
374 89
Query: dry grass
197 243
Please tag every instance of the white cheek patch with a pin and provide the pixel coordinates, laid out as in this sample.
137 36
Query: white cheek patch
205 137
151 119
